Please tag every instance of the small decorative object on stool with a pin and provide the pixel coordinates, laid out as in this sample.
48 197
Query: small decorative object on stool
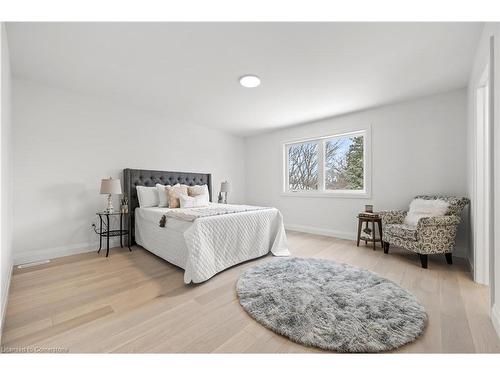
368 232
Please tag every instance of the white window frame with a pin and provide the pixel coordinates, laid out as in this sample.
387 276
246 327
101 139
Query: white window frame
482 183
322 192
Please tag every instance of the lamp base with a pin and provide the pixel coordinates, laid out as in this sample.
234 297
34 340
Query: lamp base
110 208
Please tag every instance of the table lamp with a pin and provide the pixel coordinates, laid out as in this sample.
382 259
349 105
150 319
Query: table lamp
225 187
110 186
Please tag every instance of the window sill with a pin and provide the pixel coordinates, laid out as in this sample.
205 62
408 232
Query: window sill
303 194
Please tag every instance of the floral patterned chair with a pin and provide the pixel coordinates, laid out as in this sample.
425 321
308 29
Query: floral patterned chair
433 235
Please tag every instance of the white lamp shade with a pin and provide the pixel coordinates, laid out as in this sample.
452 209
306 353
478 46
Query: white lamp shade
111 186
225 187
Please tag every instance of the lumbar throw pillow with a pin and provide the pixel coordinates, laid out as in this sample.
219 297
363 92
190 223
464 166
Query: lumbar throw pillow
194 191
190 202
173 193
420 208
162 195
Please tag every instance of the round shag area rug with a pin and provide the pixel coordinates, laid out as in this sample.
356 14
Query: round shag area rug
333 306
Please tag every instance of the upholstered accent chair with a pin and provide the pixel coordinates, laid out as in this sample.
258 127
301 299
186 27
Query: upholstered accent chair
432 235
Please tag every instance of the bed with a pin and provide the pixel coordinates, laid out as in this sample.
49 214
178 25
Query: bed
207 245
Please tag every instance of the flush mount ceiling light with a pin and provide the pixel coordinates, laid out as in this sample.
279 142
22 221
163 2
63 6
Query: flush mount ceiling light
250 81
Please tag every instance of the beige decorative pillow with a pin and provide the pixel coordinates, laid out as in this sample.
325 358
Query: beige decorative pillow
196 190
173 193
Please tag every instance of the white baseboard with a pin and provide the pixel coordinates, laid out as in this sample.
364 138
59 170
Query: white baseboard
495 317
60 251
322 231
5 301
470 265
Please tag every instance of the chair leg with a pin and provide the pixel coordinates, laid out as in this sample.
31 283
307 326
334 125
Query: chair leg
449 258
423 260
386 247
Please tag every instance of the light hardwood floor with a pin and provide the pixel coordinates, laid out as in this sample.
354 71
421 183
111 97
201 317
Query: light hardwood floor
137 302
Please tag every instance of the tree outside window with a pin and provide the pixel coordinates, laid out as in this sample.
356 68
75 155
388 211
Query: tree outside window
303 166
344 165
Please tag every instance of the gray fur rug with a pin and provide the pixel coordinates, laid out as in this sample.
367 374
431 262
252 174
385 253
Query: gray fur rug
332 306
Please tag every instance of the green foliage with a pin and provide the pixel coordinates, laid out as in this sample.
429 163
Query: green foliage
354 172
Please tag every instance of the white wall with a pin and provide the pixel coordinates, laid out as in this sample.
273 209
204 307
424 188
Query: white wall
6 206
482 58
65 143
418 147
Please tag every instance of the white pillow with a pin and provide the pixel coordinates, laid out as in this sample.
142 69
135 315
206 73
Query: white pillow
148 196
162 195
420 208
190 202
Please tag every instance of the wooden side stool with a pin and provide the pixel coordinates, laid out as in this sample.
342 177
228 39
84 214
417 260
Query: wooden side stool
364 218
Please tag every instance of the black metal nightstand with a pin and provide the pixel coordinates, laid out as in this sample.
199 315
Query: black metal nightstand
107 233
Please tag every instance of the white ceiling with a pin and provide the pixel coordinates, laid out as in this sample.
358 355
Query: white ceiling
189 71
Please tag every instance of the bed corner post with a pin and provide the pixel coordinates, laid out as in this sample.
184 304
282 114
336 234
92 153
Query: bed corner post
209 183
127 189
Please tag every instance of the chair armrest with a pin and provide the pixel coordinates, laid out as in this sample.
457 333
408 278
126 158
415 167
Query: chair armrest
438 221
392 216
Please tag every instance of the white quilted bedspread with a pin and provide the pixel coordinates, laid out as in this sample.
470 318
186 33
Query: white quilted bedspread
218 242
209 245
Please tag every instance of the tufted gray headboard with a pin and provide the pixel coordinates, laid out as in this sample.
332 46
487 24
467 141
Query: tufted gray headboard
143 177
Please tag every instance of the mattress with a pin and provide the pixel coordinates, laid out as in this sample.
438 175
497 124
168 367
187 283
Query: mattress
167 243
209 245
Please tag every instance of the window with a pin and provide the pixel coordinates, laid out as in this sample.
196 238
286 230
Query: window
332 165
